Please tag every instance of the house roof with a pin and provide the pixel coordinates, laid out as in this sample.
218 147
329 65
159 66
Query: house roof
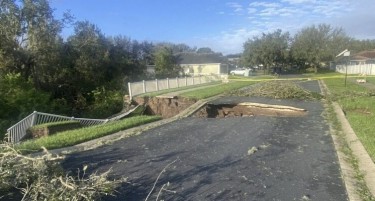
359 57
368 54
195 58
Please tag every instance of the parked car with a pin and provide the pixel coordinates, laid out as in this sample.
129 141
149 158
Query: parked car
240 71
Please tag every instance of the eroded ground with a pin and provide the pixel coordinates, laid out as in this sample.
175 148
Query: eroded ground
238 158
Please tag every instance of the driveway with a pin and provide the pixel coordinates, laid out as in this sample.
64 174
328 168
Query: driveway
239 158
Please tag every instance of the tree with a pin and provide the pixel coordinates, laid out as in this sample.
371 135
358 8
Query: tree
269 50
205 50
29 34
166 63
128 58
361 45
315 45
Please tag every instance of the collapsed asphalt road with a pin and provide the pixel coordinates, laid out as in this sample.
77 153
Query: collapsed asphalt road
238 158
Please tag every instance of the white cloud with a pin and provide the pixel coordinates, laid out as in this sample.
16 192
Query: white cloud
358 19
262 16
298 1
264 4
330 8
228 42
251 10
237 8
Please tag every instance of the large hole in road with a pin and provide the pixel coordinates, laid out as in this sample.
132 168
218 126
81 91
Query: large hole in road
248 109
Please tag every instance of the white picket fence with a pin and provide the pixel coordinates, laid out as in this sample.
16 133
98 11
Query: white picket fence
18 130
366 69
137 88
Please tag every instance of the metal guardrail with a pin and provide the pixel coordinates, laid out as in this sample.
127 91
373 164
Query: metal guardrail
18 130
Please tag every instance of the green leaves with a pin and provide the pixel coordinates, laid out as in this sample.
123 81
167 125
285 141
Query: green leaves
269 50
315 45
166 63
312 46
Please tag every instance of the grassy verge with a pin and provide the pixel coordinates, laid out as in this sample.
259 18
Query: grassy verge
325 74
360 184
369 79
359 107
69 138
337 90
216 90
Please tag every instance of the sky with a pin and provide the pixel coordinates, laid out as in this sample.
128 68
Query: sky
224 26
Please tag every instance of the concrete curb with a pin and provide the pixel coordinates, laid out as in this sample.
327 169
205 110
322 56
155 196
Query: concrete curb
365 163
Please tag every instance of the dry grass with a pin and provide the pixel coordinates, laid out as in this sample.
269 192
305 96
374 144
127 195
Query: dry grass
42 178
278 90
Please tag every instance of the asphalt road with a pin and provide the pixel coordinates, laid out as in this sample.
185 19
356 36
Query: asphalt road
215 159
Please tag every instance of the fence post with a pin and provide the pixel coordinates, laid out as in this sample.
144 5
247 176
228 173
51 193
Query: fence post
144 86
130 90
177 82
167 83
185 81
200 81
193 80
157 84
33 118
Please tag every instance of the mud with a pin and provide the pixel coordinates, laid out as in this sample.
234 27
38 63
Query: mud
165 107
247 109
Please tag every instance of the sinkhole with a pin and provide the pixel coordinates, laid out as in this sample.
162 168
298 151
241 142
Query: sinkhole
248 109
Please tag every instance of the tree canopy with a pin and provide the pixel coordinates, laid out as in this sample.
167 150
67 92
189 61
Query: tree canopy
269 50
166 63
311 47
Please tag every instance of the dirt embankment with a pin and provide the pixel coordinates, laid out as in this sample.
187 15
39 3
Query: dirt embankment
165 107
169 107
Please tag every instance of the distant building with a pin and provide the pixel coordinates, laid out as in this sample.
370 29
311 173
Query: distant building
150 69
364 57
203 64
360 63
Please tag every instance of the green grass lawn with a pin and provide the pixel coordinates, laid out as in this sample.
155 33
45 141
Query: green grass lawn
216 90
359 108
323 75
370 79
73 137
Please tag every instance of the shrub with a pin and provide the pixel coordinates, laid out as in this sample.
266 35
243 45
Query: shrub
105 103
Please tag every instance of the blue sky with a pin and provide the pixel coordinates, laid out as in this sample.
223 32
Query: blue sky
219 24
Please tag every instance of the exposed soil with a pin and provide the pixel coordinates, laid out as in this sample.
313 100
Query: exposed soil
247 109
165 107
169 107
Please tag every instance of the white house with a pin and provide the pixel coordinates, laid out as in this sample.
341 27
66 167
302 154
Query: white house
203 64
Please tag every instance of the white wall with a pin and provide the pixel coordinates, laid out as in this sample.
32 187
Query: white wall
368 69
